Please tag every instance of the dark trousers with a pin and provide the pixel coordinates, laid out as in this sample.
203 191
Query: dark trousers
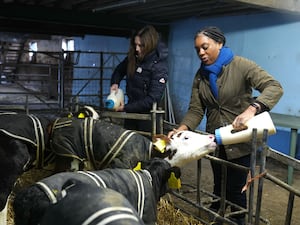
236 179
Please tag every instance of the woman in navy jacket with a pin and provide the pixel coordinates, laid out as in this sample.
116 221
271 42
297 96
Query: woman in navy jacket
146 71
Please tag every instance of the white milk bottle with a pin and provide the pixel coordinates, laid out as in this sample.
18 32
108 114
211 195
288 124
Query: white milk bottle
114 99
227 135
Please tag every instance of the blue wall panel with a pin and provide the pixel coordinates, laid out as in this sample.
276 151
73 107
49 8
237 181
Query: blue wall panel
281 142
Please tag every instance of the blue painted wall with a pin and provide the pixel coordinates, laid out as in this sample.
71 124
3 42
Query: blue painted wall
269 39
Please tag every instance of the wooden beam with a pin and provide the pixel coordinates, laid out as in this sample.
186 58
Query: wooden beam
278 5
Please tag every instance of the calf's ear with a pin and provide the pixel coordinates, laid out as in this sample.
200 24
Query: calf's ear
138 166
160 142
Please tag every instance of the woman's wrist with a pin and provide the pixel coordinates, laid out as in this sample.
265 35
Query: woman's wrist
256 106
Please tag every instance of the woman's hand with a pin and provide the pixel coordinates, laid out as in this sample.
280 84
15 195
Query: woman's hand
120 108
114 87
240 121
174 131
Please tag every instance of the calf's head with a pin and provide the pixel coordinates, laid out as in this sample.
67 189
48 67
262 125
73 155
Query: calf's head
84 111
160 171
184 147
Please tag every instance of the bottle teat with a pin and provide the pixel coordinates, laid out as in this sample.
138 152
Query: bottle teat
109 104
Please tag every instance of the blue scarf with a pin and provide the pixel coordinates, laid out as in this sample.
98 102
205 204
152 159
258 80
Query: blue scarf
213 71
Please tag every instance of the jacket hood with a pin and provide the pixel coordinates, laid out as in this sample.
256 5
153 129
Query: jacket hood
160 53
162 50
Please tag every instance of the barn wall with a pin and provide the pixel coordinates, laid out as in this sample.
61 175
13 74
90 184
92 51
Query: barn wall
270 39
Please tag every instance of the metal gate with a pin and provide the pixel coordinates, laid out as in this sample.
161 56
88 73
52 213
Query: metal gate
56 80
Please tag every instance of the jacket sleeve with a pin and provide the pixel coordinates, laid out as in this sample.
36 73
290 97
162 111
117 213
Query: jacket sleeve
156 88
196 108
270 89
119 72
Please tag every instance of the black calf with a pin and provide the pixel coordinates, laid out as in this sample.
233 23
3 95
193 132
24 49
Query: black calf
83 204
142 188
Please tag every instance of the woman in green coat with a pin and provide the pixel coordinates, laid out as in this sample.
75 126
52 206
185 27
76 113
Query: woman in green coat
222 90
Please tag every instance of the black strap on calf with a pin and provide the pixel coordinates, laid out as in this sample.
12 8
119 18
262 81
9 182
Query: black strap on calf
47 190
35 138
88 140
131 175
115 149
40 141
97 179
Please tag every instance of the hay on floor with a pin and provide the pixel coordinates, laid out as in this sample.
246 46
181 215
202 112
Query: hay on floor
169 215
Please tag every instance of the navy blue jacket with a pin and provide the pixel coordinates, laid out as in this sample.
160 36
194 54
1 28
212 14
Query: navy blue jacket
148 83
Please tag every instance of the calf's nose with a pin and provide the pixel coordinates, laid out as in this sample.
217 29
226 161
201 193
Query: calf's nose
211 136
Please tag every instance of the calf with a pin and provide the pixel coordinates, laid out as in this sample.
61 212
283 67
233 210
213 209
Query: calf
98 144
22 143
85 204
184 147
143 189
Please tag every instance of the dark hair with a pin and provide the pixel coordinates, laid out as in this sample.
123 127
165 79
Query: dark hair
149 40
214 33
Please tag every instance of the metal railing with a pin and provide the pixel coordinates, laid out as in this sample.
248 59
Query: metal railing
156 115
56 78
253 217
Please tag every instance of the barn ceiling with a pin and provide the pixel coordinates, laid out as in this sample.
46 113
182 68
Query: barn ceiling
119 17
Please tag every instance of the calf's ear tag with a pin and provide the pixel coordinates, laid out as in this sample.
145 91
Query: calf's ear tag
160 145
138 166
173 182
81 115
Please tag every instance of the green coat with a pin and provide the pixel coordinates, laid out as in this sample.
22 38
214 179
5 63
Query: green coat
236 83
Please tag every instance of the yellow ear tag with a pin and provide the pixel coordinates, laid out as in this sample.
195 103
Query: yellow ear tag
138 166
70 115
173 182
81 115
160 145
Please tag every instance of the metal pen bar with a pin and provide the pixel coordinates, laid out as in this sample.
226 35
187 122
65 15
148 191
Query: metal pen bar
261 179
252 173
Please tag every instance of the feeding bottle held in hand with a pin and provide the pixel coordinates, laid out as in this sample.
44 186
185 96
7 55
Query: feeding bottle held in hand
114 99
227 135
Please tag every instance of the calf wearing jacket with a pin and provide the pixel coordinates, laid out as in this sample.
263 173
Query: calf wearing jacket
84 204
143 189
